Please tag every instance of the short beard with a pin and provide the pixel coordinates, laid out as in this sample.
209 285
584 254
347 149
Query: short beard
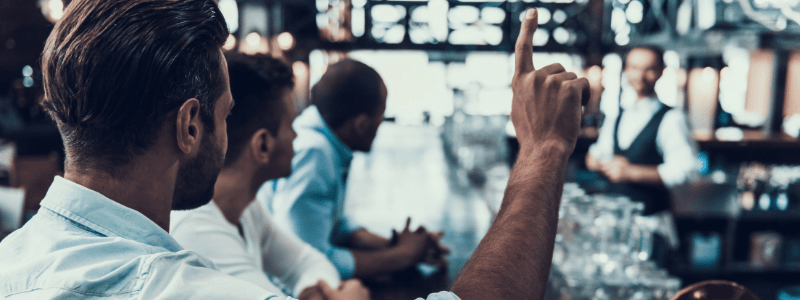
194 186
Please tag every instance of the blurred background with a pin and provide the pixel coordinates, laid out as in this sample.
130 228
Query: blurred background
446 147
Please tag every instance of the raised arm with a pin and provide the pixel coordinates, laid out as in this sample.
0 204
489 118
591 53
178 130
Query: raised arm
513 259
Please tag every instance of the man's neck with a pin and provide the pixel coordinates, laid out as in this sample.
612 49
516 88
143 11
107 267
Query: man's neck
345 135
234 191
640 97
146 188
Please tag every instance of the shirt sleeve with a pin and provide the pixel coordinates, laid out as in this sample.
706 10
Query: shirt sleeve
603 149
307 204
295 263
205 236
677 146
343 229
441 296
185 275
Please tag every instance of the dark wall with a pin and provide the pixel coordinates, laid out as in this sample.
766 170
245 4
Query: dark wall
23 31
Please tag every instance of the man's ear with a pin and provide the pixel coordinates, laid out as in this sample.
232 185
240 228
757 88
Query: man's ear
361 124
262 145
188 126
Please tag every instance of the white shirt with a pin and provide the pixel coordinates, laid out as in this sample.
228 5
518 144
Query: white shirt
265 250
673 140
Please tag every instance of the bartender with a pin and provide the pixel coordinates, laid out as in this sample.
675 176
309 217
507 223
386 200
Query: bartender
648 147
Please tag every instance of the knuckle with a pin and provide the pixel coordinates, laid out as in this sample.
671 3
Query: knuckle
520 45
515 80
552 82
539 77
566 85
571 86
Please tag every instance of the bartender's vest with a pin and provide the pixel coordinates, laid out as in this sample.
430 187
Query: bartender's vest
643 151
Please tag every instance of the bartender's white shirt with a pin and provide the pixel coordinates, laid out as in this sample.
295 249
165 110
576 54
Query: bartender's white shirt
264 251
674 140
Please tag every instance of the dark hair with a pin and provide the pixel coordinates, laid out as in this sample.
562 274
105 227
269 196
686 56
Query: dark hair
349 88
257 85
657 51
113 70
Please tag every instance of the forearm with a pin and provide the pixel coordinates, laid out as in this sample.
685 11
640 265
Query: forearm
371 263
302 268
513 260
314 271
365 240
644 175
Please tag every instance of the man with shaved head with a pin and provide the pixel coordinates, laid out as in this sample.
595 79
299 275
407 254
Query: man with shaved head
348 106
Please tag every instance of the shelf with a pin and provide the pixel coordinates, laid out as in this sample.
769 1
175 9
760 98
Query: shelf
771 216
736 269
752 138
747 268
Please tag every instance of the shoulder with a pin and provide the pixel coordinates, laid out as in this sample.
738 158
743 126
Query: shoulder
311 142
674 116
82 266
313 158
441 296
207 215
206 231
254 217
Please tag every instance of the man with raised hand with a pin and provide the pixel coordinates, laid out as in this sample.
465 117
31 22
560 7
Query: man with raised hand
513 259
139 91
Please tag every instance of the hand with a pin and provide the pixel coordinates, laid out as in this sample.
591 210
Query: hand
546 109
593 163
349 290
436 252
618 170
312 293
413 245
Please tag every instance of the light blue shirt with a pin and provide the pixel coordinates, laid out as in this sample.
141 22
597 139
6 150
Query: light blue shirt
83 245
311 200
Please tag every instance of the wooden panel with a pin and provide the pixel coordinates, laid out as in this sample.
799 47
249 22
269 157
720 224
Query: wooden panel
759 82
702 93
791 105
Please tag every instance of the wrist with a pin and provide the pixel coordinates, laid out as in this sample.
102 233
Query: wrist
631 172
405 257
548 151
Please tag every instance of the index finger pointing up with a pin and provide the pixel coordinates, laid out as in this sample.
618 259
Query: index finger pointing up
523 50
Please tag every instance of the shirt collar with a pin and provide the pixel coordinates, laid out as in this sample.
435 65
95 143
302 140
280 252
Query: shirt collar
311 119
95 211
650 103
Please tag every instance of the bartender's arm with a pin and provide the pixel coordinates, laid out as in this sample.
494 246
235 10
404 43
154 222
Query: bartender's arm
513 259
621 170
676 146
603 148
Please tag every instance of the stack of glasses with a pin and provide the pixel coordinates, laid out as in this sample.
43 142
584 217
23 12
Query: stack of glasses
602 251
